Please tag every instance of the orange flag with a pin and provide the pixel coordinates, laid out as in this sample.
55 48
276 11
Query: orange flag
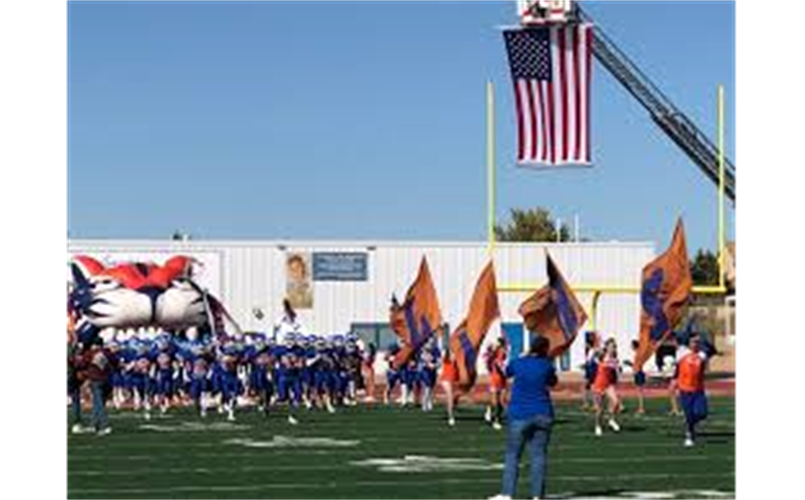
554 312
418 318
665 289
466 340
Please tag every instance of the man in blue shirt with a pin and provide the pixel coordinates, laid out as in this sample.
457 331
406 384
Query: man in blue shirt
530 416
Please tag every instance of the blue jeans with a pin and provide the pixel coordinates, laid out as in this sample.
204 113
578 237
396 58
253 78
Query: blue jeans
74 388
534 432
99 418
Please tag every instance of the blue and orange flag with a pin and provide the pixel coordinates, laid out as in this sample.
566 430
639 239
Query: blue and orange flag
419 316
466 340
554 312
665 290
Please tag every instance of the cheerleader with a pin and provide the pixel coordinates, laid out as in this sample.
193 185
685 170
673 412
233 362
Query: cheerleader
496 366
604 385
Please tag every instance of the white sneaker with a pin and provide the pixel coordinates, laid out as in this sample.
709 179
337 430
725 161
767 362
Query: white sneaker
614 425
497 426
79 429
451 422
105 431
292 420
688 440
147 416
203 413
230 416
500 497
598 431
488 415
163 410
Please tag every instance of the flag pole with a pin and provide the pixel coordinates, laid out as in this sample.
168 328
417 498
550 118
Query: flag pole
594 311
208 311
490 166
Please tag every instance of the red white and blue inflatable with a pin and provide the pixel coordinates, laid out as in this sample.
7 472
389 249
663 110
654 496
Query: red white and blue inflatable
140 294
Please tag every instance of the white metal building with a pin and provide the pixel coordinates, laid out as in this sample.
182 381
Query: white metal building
350 282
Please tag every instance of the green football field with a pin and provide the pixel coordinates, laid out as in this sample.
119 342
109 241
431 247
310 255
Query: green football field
380 452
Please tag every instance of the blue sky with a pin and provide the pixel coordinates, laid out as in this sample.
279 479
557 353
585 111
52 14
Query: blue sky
365 120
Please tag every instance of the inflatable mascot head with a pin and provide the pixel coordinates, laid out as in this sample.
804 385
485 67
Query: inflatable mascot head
137 294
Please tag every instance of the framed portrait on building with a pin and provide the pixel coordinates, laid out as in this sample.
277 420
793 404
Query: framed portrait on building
299 289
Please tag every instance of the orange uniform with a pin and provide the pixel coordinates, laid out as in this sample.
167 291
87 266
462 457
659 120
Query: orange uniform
690 380
691 372
449 372
605 375
497 369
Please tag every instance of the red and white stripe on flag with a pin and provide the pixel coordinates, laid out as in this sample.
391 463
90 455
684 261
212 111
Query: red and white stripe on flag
553 113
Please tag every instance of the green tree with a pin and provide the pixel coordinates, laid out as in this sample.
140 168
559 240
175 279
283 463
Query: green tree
704 268
531 225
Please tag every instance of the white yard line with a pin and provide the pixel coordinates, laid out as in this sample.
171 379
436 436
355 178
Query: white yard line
333 484
75 451
342 466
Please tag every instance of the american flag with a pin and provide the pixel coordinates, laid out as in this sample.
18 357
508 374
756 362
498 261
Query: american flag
551 68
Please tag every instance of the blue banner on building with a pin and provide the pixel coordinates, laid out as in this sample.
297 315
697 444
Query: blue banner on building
340 266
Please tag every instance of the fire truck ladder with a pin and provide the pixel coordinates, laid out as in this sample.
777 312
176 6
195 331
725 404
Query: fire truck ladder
668 117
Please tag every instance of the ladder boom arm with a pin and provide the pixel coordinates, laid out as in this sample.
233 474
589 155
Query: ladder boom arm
679 128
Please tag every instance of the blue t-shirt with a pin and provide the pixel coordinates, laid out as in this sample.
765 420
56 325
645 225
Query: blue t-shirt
531 390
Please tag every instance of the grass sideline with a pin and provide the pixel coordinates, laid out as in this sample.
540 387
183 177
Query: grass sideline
391 452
